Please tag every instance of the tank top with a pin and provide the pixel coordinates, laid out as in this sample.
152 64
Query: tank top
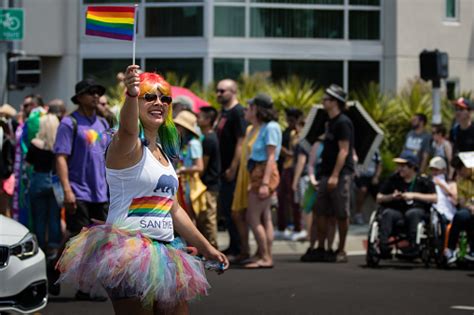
141 197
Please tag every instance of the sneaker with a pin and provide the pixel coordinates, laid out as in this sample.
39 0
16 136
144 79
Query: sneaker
469 256
82 296
330 256
319 255
359 219
308 256
299 236
450 256
341 257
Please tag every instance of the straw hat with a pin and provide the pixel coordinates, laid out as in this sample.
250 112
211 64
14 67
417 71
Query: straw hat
187 120
8 110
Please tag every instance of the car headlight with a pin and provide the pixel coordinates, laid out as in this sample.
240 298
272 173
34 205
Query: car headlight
26 248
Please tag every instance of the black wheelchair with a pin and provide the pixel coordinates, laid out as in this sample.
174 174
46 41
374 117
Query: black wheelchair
429 239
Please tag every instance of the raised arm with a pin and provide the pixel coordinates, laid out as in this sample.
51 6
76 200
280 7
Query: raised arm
125 146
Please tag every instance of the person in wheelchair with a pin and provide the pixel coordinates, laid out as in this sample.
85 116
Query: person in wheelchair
405 196
464 218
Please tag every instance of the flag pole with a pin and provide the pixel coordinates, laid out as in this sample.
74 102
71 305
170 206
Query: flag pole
134 32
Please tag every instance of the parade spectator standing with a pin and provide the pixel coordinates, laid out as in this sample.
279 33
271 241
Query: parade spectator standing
207 219
80 147
286 200
32 110
231 132
45 209
337 169
418 140
180 103
8 125
57 107
103 110
264 177
367 181
464 131
404 196
191 164
463 220
441 146
240 202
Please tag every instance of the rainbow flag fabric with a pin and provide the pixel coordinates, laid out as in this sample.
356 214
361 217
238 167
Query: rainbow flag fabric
110 21
151 206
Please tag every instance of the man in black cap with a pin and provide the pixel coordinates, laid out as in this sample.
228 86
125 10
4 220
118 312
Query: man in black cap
404 196
337 168
80 147
463 133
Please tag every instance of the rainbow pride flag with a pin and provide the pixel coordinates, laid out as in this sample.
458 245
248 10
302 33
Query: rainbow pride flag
111 22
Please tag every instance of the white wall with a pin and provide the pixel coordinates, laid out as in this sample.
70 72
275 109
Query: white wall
421 25
51 32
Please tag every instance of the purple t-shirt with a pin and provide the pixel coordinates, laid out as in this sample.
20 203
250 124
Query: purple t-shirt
87 163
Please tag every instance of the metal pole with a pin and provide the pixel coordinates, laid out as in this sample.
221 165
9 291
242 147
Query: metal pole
436 94
4 46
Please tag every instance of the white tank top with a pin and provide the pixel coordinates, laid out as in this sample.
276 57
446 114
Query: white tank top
444 205
141 197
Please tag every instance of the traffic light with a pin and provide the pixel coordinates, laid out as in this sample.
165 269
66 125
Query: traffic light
433 65
23 72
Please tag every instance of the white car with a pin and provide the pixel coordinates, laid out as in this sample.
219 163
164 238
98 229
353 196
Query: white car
23 281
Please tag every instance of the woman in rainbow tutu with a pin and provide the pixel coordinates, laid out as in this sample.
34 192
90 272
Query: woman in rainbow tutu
135 256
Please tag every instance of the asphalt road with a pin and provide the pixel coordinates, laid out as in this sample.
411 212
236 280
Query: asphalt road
318 288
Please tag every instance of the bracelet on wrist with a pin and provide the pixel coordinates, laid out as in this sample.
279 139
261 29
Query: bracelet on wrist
130 95
264 184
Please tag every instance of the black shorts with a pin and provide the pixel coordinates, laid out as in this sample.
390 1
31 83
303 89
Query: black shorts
86 211
366 181
337 202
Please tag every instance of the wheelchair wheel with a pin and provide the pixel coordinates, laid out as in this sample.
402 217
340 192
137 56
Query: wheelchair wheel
426 256
372 256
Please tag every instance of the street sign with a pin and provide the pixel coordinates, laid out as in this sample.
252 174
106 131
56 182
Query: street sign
11 24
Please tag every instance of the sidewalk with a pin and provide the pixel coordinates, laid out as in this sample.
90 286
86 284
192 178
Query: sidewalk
354 243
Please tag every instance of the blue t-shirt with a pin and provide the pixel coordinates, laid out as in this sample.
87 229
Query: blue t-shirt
194 151
269 134
87 164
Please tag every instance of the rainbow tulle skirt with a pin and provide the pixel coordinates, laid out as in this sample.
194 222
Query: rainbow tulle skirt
132 265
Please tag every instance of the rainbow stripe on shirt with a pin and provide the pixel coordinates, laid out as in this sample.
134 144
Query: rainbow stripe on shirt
152 206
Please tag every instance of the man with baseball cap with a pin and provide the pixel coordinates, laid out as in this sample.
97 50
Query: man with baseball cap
462 134
404 196
337 168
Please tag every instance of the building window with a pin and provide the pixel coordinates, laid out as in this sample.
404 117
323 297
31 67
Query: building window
364 25
189 68
229 21
365 2
322 72
173 21
452 10
361 73
297 23
327 2
104 71
228 68
106 1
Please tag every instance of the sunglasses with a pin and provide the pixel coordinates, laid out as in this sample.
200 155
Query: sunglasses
220 91
93 91
459 109
151 97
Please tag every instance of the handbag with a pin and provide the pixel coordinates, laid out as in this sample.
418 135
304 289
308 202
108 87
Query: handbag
257 173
